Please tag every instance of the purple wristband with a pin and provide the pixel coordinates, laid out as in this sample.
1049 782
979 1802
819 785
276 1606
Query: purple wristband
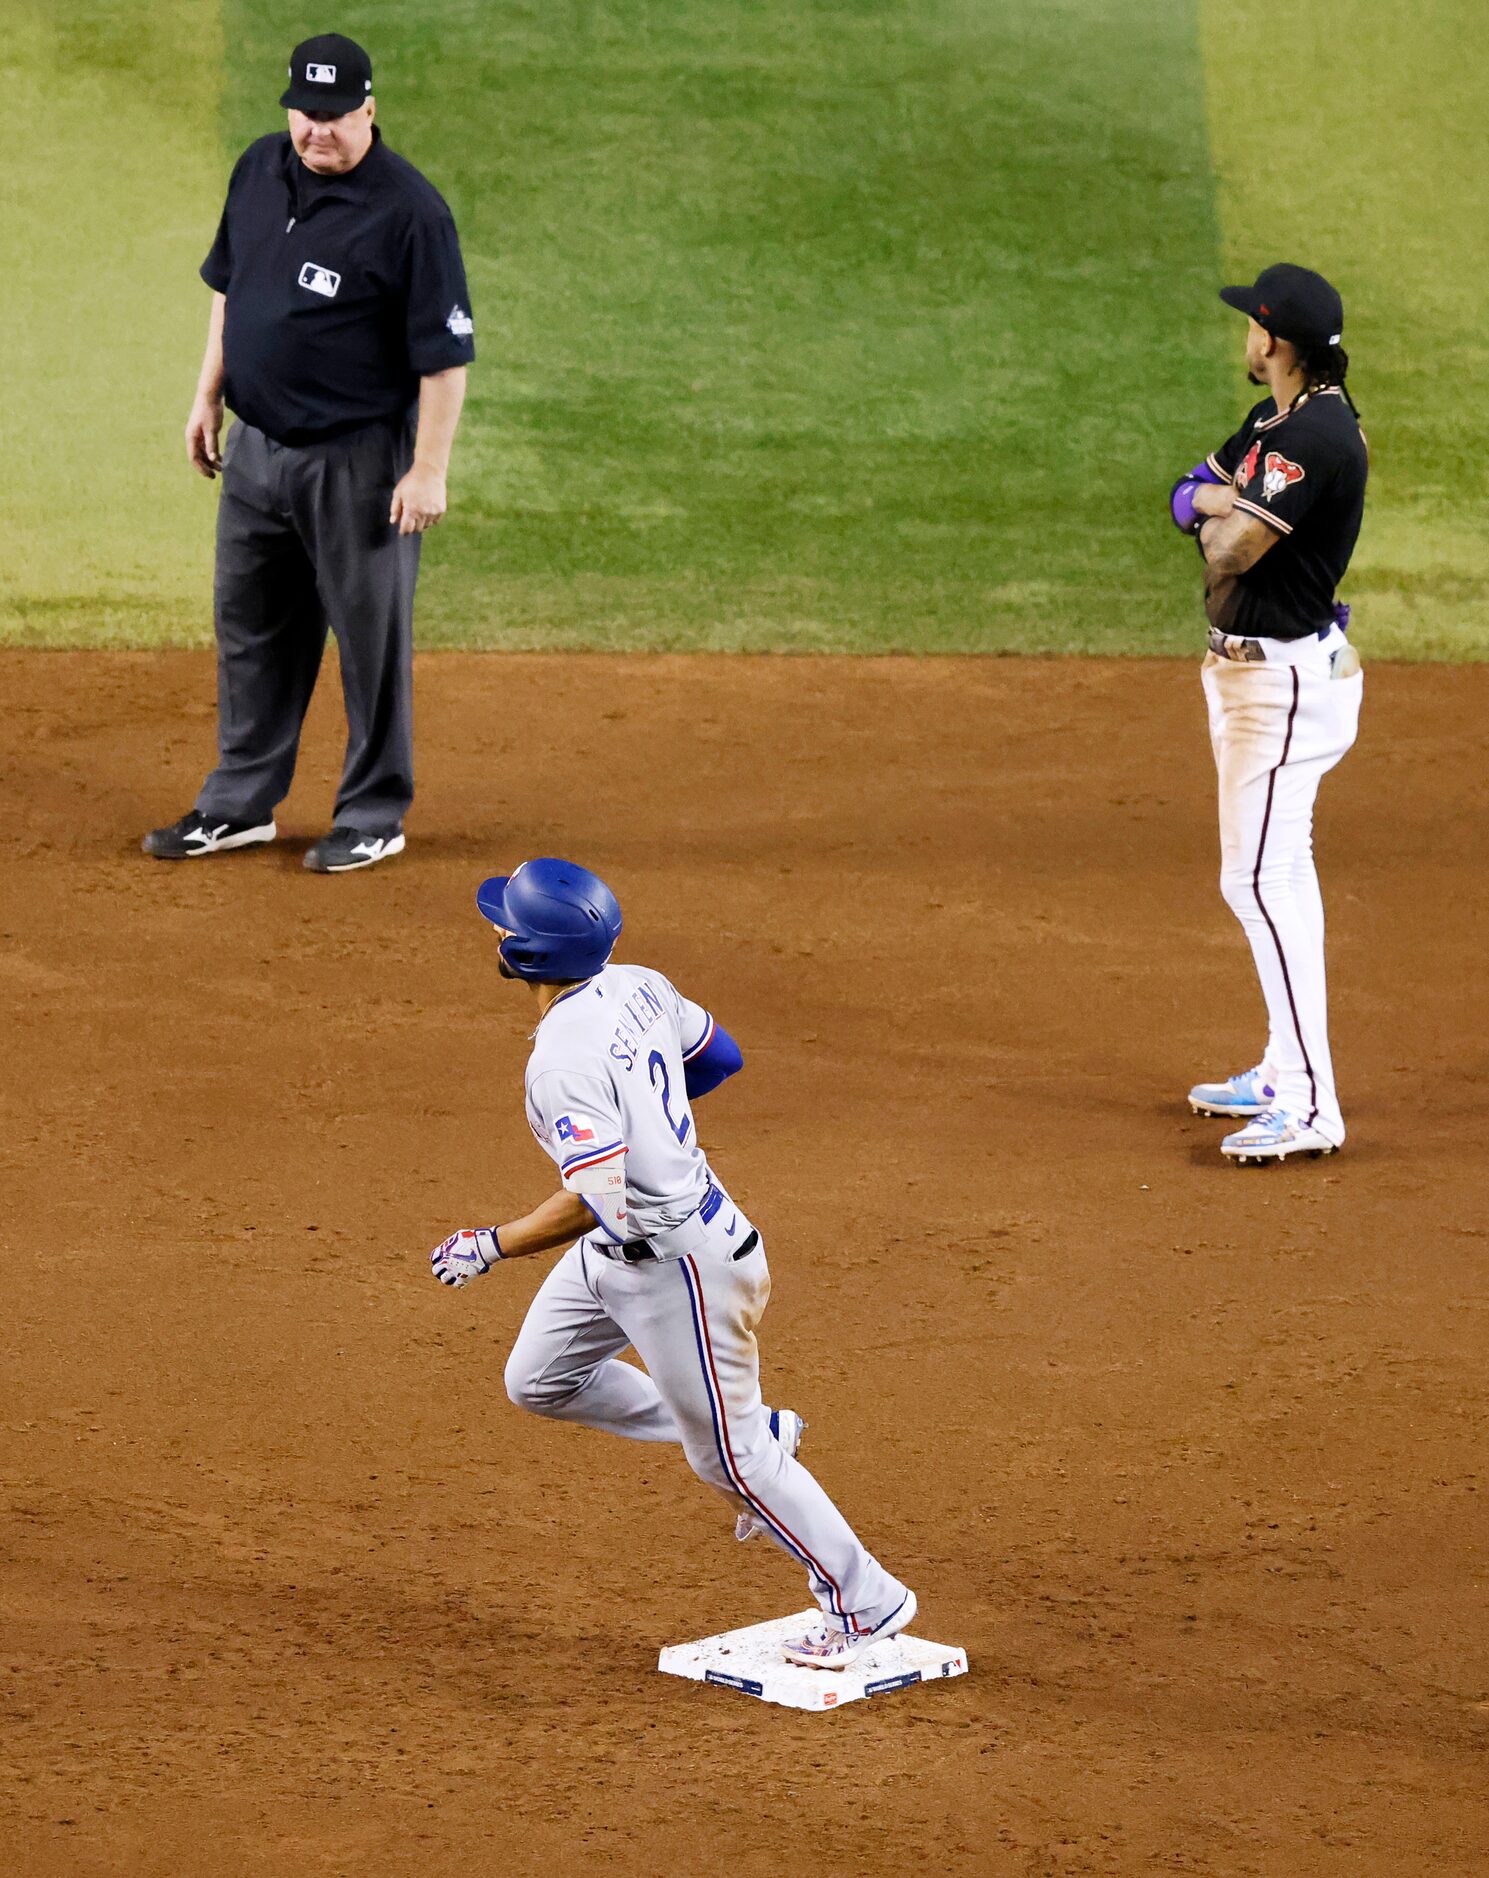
1187 518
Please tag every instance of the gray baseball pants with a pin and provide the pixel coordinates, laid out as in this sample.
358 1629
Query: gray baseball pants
692 1321
303 544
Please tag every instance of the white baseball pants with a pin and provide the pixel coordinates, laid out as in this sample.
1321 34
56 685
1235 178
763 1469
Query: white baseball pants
692 1321
1276 728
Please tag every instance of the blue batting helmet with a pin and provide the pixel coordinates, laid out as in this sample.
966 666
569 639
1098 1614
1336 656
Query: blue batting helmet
563 920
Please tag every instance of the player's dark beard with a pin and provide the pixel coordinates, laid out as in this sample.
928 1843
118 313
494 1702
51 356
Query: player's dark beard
1253 379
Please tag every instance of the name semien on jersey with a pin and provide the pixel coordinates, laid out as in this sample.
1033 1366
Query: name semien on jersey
607 1098
638 1015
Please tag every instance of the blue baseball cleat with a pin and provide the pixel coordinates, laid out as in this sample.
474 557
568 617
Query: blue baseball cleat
1273 1137
1247 1094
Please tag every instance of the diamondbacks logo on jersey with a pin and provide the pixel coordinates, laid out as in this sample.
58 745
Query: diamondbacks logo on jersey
571 1128
1281 474
1248 466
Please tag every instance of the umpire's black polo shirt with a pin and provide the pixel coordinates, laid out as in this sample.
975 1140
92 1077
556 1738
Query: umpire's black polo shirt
342 291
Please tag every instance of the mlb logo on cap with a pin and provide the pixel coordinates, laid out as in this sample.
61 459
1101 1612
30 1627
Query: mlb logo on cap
336 76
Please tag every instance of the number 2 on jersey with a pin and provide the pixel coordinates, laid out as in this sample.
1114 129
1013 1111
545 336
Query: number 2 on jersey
657 1062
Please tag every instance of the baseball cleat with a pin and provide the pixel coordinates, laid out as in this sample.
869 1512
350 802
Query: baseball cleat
1243 1095
198 834
826 1646
346 849
787 1427
1273 1136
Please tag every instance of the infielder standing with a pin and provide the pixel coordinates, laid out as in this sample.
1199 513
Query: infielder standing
665 1261
1277 511
339 335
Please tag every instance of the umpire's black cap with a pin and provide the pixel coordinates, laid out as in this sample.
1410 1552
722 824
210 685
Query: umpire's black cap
1292 303
328 73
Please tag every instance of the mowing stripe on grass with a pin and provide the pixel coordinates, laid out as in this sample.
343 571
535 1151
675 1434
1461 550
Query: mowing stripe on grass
1358 144
110 177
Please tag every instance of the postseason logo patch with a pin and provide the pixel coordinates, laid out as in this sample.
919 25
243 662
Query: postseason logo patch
460 322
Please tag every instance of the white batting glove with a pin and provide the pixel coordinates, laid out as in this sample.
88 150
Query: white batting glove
465 1255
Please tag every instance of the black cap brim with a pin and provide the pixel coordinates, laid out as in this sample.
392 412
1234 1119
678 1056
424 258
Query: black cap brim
320 98
1243 299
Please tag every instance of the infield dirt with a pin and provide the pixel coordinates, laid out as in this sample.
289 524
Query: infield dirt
1189 1458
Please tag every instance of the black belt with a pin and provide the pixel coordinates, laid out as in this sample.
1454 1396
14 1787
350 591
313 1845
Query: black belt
640 1251
633 1251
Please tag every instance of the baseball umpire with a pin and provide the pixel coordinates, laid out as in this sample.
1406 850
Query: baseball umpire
340 334
1277 510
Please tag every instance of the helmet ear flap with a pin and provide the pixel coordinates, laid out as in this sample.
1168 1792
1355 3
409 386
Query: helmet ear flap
517 953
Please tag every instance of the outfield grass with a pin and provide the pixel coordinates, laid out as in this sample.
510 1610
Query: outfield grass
110 173
818 325
1363 153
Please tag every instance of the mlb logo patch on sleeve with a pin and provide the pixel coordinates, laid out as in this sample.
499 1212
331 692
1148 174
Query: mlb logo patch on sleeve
321 280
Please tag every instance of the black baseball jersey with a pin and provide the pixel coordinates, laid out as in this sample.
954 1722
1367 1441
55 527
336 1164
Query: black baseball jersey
1302 472
342 291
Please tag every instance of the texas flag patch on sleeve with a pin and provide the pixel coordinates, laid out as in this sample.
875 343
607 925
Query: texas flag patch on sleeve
595 1168
591 1158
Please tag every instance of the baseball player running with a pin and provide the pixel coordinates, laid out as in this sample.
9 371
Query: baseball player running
660 1257
1276 511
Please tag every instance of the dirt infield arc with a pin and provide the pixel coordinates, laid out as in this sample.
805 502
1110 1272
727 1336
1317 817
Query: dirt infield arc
1190 1459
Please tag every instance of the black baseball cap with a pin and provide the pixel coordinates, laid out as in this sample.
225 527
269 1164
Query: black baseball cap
328 73
1292 303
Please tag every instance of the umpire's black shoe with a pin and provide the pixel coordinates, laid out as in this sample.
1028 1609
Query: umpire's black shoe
347 848
204 834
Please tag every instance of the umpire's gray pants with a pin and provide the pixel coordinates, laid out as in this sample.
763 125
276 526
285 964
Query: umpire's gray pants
303 543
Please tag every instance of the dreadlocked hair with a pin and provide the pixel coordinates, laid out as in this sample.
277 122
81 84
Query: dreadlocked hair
1325 366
